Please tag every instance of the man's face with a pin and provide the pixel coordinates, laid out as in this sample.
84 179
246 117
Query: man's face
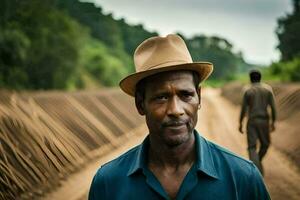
170 106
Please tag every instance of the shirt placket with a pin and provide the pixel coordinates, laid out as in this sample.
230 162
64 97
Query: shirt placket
152 181
188 184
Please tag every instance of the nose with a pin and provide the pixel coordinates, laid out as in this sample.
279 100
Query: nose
175 108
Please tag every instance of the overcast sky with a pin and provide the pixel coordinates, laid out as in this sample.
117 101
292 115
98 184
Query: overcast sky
248 24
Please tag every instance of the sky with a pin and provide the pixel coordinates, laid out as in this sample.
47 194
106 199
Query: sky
247 24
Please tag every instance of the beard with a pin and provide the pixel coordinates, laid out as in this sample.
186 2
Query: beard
172 132
173 135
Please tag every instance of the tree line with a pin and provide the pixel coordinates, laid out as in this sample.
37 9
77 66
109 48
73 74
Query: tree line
68 44
288 33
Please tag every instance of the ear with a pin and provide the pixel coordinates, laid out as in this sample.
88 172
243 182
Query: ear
199 94
139 104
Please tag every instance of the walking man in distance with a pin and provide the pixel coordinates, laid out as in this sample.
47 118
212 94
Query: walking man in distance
257 98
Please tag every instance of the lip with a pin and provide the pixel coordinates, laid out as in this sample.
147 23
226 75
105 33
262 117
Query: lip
175 126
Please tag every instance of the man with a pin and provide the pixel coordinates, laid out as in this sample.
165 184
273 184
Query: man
257 98
174 161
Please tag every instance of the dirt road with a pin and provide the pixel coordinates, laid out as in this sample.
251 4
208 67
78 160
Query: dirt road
218 122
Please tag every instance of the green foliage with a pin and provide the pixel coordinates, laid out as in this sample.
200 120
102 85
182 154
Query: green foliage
288 32
103 27
133 35
14 46
287 71
54 52
68 44
219 52
120 38
100 64
214 83
266 76
45 43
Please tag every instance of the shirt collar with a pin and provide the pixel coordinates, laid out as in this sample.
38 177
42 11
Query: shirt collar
204 161
204 158
139 163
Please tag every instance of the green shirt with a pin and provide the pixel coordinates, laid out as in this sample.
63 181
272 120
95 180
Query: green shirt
216 174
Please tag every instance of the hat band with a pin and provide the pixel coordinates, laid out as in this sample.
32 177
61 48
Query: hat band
166 64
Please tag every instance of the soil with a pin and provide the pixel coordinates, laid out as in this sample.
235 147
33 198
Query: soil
219 122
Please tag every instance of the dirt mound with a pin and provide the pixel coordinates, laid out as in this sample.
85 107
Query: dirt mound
46 136
286 138
287 100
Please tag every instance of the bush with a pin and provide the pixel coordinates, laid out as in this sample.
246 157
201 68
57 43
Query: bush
287 71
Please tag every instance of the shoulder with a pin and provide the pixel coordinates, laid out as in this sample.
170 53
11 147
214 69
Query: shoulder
246 88
232 160
247 91
228 164
112 174
118 166
242 173
267 88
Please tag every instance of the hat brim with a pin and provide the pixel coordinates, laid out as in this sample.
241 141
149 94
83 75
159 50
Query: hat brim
128 84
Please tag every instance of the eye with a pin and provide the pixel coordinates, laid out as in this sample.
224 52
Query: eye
160 98
187 95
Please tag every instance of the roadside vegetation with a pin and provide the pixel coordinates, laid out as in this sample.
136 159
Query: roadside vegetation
71 45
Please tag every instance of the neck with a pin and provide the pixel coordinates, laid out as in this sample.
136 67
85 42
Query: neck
165 156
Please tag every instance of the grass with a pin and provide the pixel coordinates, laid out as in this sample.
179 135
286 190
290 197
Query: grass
243 78
214 83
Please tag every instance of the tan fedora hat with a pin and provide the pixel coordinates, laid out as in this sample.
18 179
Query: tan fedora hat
160 54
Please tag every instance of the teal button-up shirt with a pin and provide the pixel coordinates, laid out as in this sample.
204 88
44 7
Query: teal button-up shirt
216 174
